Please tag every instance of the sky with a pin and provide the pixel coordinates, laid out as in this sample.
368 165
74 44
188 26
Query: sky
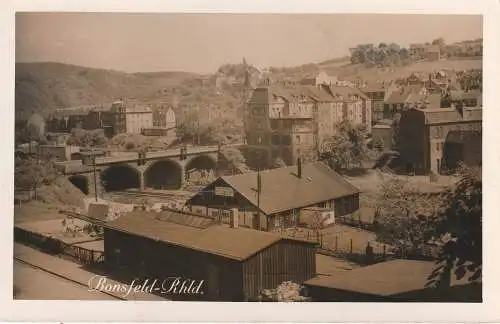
200 43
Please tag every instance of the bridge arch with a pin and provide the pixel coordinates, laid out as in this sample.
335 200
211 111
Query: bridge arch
163 174
202 162
199 168
120 177
81 182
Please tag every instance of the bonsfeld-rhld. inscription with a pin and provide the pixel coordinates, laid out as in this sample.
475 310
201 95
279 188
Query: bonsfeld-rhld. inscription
167 286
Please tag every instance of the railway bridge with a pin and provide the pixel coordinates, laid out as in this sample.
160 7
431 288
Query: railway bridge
163 169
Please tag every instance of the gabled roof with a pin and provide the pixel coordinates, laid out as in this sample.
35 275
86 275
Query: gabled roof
374 87
232 243
319 94
264 95
404 94
283 190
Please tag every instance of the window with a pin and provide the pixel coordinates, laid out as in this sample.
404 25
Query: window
437 146
275 140
297 139
259 124
286 140
277 221
274 124
287 124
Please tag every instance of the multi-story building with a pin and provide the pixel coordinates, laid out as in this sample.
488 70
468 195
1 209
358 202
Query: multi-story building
376 93
427 138
356 106
293 122
130 119
321 78
425 52
433 53
279 124
404 97
164 118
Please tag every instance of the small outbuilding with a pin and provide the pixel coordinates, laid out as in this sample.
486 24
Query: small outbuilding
233 263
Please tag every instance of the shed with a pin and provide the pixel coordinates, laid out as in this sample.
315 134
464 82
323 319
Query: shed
232 263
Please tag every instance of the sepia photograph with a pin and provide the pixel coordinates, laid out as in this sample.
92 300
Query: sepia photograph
248 157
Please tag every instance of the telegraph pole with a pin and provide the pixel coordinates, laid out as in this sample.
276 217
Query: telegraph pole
198 131
95 175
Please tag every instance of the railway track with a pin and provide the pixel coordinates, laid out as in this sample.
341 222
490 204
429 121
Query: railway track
147 194
63 277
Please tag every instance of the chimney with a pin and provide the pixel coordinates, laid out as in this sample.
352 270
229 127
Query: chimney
299 167
234 218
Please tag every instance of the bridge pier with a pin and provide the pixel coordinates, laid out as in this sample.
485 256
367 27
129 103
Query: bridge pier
142 185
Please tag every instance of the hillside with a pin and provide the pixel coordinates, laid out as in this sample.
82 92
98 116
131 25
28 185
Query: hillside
354 71
43 87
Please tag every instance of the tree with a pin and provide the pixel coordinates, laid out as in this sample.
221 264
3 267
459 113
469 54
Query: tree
378 144
87 138
405 215
460 228
30 173
347 147
317 222
235 159
28 132
439 42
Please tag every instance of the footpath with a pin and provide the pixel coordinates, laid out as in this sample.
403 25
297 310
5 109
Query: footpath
73 272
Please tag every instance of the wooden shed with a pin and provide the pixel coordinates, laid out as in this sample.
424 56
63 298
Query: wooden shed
234 263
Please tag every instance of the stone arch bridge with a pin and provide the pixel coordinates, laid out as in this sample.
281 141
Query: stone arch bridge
160 170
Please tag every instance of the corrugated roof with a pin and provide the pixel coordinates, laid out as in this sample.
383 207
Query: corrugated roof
282 189
232 243
382 279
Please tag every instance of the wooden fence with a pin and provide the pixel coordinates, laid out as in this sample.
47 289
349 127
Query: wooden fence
342 246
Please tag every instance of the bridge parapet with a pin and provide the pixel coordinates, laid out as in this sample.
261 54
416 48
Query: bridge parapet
173 153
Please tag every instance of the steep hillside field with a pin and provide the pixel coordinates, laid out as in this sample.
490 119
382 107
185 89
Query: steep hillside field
353 71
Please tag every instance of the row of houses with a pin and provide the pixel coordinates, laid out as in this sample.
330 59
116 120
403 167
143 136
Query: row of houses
120 117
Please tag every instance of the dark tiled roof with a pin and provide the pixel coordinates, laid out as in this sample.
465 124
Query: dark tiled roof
464 95
374 87
318 94
232 243
452 115
402 95
282 189
382 279
462 136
